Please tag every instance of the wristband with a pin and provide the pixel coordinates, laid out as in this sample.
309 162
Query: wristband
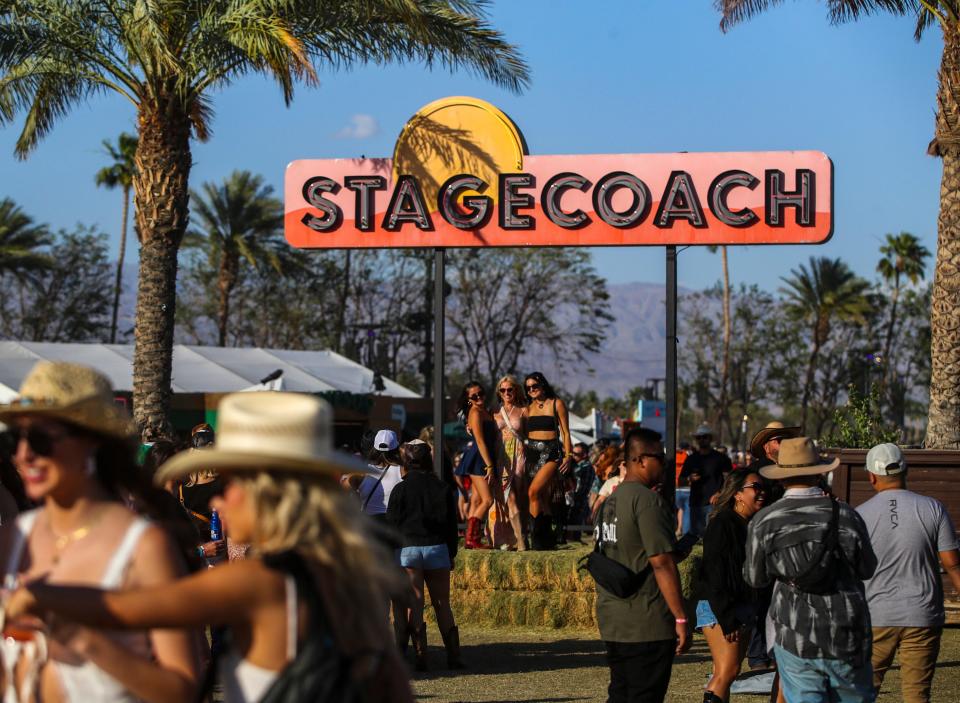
201 552
681 621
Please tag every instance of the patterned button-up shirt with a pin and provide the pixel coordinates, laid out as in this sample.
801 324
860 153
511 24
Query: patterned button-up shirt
781 540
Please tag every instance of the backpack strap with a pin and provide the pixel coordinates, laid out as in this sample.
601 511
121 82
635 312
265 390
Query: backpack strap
829 543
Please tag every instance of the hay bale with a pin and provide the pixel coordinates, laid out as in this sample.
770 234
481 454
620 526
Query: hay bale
492 608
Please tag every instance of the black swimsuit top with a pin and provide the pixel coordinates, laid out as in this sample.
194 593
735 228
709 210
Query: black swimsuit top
543 423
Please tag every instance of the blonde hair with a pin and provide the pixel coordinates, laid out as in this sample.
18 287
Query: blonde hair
315 518
519 397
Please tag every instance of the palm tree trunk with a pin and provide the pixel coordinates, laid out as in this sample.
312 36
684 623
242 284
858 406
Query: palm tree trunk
888 370
722 416
943 419
120 257
226 281
161 196
808 384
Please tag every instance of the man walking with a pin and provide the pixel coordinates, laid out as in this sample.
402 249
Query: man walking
816 551
765 448
912 535
704 471
642 632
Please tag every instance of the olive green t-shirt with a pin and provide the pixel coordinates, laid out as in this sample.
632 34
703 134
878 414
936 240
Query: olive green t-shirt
637 525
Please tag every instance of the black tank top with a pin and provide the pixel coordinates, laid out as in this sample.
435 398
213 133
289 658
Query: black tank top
543 423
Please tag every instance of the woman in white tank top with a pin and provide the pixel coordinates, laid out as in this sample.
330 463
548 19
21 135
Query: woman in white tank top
74 454
281 495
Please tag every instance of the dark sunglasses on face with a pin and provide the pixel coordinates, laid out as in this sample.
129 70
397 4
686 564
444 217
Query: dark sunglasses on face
506 390
39 440
661 456
758 487
533 387
476 396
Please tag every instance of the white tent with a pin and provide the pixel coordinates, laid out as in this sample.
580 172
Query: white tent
581 429
202 369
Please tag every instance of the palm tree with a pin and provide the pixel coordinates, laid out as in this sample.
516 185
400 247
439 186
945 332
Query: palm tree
119 173
166 57
943 419
903 256
238 219
20 241
817 295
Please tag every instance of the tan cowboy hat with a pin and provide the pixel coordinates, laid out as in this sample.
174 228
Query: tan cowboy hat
263 431
773 430
70 393
798 457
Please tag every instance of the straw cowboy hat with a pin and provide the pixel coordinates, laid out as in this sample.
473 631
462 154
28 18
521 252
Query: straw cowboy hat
773 430
263 431
70 393
798 457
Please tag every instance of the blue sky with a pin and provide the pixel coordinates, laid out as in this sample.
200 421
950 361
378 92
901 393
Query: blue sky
607 77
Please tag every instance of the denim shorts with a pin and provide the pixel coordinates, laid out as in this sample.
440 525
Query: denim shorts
705 616
436 556
745 613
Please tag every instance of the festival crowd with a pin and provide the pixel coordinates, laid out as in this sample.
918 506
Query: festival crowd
258 563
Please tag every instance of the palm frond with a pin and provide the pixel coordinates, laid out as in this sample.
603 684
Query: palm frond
735 11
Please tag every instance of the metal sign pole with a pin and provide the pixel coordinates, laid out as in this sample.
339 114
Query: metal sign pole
438 359
670 441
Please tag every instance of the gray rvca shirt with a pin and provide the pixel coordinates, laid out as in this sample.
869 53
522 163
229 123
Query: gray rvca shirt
907 531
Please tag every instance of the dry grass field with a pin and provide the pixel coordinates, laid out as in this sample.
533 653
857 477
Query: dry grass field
508 665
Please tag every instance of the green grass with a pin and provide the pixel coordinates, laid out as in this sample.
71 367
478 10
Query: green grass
557 666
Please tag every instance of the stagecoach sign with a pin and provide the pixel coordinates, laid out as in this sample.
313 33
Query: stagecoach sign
598 200
461 176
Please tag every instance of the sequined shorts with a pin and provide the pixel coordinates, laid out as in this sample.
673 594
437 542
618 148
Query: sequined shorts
539 453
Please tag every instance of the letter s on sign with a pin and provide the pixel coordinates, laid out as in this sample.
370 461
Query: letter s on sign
313 191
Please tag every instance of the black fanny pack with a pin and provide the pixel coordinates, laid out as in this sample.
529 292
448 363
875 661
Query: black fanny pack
611 575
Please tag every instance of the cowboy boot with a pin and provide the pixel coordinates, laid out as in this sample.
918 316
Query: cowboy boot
469 539
420 648
539 537
711 697
401 631
451 642
473 535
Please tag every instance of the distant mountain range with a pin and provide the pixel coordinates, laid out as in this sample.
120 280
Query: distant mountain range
634 348
632 352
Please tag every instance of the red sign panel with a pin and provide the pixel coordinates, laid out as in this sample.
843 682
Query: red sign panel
598 200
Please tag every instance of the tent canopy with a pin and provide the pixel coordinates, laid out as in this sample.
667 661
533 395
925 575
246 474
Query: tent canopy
201 369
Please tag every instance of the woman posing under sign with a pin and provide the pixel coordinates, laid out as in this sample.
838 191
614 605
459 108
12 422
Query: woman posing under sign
549 448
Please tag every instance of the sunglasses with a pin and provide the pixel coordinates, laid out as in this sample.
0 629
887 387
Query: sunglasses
476 396
40 441
533 387
508 389
758 487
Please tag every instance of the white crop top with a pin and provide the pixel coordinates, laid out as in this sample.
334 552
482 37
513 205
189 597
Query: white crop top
86 681
244 682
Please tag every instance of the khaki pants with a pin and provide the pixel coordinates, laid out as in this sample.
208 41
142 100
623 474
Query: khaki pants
919 648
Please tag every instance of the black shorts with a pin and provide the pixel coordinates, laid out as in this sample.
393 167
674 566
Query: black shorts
540 452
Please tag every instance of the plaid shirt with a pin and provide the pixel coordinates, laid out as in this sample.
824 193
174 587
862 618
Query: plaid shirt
781 540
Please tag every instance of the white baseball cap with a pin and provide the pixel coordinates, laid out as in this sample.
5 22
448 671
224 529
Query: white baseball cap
703 431
886 460
385 441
